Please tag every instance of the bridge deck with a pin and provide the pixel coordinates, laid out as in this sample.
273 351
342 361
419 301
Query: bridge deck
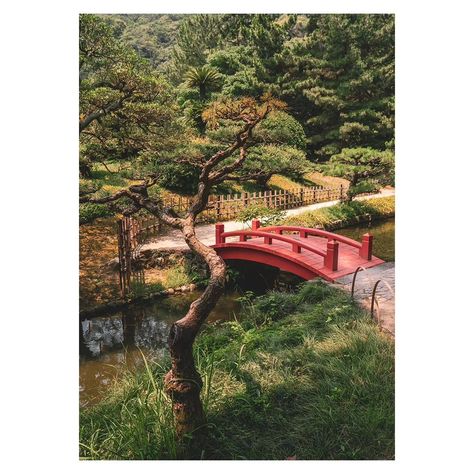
348 261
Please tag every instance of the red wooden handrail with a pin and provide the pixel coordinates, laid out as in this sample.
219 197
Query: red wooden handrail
330 256
311 231
365 247
267 239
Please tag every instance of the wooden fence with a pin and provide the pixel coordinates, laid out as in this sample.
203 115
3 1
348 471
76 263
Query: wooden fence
133 232
228 206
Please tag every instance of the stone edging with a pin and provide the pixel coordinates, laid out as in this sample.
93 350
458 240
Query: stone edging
114 306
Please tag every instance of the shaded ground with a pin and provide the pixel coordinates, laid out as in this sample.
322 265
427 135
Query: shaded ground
303 375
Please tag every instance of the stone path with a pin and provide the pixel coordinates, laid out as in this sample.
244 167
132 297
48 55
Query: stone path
206 233
365 281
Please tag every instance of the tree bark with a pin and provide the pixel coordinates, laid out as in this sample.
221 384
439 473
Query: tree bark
262 181
183 383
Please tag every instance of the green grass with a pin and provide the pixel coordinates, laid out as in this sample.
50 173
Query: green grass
347 213
139 288
177 276
304 374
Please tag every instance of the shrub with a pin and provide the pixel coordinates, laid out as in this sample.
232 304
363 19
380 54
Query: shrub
280 127
89 211
176 276
267 215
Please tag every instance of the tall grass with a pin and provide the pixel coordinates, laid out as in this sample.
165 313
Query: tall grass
304 374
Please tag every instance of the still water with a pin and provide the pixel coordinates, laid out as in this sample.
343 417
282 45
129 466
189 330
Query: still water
384 237
111 343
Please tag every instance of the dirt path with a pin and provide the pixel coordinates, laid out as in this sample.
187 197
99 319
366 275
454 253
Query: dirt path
206 233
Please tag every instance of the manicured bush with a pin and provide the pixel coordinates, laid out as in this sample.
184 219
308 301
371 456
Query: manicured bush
266 215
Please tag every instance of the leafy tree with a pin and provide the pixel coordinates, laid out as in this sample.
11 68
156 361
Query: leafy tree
267 160
339 82
363 167
151 36
183 383
125 106
204 79
283 129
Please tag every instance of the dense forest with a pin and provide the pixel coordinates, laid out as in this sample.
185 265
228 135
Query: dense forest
145 81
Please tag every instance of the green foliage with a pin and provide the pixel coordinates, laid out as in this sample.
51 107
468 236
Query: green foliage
88 212
151 36
340 96
363 167
139 288
125 106
347 213
267 215
316 382
342 93
176 277
283 129
266 160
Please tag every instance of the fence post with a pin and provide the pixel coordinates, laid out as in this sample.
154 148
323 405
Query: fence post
332 252
120 256
366 249
301 196
341 195
255 224
218 207
219 232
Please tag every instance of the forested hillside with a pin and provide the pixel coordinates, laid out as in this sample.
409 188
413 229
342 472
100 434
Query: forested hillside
147 80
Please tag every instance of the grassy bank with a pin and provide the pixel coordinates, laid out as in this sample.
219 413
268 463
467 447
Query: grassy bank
304 374
345 214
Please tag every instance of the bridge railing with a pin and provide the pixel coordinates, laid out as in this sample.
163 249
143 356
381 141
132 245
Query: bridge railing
330 256
365 247
276 233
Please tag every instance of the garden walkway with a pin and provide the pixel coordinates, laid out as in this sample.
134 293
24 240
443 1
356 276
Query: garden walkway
173 239
385 294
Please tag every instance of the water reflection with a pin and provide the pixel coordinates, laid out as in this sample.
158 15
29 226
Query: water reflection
384 237
110 344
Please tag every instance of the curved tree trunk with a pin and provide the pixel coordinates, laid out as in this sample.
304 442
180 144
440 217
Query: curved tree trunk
183 382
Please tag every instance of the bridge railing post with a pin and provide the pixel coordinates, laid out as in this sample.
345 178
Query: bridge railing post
219 232
332 253
366 249
255 224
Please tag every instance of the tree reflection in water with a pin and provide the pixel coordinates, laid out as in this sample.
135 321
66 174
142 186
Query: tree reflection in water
108 345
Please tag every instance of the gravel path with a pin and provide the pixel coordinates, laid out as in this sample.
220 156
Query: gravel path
206 233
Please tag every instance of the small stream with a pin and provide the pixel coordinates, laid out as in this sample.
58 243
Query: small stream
110 343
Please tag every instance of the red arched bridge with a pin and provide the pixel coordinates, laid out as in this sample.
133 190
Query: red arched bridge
305 252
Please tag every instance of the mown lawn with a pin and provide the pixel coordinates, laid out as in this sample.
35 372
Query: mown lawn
303 374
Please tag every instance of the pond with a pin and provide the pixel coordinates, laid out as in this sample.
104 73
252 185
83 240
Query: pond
384 237
110 343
